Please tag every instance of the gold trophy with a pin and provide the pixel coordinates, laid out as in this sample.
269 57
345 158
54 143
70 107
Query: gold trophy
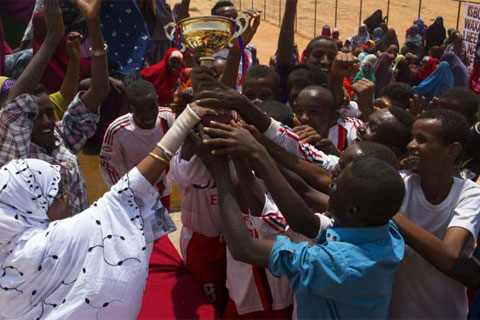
207 35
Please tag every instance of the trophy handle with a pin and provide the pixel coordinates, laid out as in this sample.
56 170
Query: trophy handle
241 27
170 32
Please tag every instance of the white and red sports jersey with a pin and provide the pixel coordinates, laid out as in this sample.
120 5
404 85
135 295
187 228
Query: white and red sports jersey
252 288
125 145
200 211
287 139
344 132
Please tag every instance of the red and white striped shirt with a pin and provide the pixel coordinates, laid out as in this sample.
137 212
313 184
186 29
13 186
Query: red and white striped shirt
125 145
287 139
344 132
252 288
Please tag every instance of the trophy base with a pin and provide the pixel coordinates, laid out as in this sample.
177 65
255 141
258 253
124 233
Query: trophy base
206 61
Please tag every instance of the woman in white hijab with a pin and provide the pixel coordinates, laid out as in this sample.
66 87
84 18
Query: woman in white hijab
362 37
92 265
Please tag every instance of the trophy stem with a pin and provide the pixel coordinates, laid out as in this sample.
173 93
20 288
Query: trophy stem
207 61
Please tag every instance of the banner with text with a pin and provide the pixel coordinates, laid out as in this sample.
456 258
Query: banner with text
471 29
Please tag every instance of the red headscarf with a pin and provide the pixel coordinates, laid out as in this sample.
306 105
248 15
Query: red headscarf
58 63
475 79
164 81
428 69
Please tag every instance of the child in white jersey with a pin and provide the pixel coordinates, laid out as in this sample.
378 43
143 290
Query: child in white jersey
131 137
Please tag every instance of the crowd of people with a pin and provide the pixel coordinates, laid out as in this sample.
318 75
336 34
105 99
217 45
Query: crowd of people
339 181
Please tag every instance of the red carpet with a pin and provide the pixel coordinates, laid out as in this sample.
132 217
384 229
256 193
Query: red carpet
171 291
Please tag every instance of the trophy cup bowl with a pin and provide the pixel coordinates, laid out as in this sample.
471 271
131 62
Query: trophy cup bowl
208 35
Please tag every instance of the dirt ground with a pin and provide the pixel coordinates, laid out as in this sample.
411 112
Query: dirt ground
402 14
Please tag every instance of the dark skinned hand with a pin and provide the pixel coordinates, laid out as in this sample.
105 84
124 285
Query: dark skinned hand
417 105
222 98
195 139
307 134
345 65
231 139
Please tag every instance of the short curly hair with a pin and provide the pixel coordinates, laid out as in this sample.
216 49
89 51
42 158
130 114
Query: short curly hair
454 126
221 4
399 94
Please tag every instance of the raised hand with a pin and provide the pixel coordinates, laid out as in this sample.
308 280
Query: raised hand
54 20
73 45
203 151
222 99
418 105
232 140
203 78
202 111
433 104
345 65
252 26
382 103
328 147
117 85
365 91
89 8
307 134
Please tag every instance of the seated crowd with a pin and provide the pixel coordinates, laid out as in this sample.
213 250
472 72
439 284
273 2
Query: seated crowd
340 181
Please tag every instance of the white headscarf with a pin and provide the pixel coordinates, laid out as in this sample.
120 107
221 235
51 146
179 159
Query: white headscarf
361 37
25 195
90 266
371 58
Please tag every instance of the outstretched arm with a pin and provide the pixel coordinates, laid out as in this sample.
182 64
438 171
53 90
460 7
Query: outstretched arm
316 176
241 245
286 37
153 165
69 86
184 10
253 195
30 77
444 254
229 77
315 199
100 87
344 65
230 74
238 142
230 99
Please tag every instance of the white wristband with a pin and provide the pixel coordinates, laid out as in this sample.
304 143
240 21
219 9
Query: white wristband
176 135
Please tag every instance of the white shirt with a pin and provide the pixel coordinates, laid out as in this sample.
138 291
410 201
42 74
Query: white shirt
344 132
200 211
125 145
420 290
244 281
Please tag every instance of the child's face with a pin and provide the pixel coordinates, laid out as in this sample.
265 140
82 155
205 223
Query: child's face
313 110
260 90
